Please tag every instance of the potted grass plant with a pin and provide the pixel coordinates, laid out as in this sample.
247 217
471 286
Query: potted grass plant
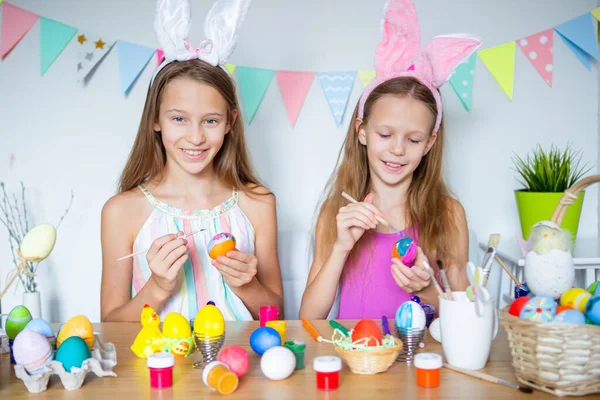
545 175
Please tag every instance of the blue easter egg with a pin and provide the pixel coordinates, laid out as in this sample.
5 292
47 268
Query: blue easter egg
263 339
540 308
41 326
592 310
410 315
72 353
570 317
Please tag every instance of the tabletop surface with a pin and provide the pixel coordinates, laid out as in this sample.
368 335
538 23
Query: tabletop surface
132 381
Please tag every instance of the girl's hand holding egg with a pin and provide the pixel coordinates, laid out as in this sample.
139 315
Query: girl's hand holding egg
237 268
413 279
353 220
165 258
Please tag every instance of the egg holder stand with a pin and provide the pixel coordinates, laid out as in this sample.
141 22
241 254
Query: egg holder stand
557 358
209 347
411 338
103 360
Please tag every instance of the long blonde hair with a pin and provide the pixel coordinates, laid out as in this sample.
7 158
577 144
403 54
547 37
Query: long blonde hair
148 156
428 206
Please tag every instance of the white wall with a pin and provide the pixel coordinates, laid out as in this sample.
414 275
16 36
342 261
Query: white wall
64 135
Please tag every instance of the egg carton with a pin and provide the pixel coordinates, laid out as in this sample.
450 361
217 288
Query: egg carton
103 360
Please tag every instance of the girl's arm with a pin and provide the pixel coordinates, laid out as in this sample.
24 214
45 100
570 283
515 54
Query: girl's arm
457 271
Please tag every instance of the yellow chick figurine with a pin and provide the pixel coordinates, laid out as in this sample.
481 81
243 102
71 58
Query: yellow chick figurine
549 266
150 339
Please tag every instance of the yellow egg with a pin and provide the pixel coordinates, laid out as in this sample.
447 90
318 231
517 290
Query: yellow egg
575 298
76 326
176 327
38 243
209 321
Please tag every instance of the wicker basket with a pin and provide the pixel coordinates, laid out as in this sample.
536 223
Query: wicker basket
560 359
370 362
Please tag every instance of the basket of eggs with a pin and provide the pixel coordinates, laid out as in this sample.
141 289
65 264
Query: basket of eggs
554 330
365 349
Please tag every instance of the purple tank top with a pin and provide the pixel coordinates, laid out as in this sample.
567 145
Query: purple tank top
368 289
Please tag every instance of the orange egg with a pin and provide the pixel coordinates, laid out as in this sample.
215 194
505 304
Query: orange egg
560 309
220 245
367 329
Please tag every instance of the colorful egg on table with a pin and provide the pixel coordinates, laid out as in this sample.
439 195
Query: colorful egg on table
41 326
278 363
592 310
540 308
72 353
76 326
575 298
263 338
32 350
410 315
517 305
236 359
594 288
560 309
176 326
209 321
220 245
17 319
368 333
405 250
575 317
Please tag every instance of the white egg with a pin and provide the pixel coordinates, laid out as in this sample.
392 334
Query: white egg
435 331
278 363
549 274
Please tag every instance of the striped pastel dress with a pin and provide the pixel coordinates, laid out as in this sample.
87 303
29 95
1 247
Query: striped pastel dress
200 281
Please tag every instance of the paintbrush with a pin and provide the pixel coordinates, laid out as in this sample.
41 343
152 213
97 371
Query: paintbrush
382 220
509 272
143 251
435 282
446 284
489 378
488 258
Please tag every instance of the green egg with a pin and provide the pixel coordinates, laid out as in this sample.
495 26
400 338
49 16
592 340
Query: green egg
72 353
17 319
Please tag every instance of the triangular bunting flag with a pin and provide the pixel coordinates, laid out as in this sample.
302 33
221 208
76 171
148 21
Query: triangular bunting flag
294 87
54 37
366 76
132 60
596 13
253 86
91 49
581 32
230 68
16 22
337 87
159 56
538 49
500 61
584 57
462 81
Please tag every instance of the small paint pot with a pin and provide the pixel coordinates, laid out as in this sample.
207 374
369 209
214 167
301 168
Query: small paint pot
217 376
161 370
521 291
298 348
428 367
279 326
429 313
268 313
328 372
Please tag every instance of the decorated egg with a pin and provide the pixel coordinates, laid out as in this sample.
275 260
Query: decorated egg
176 327
278 363
17 319
32 350
522 290
517 305
560 309
263 338
76 326
236 359
405 249
539 308
38 243
368 333
435 331
410 315
73 352
220 245
570 317
594 288
41 326
592 310
575 298
182 348
209 321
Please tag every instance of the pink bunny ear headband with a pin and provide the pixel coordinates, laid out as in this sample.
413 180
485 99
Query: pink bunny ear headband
398 53
222 22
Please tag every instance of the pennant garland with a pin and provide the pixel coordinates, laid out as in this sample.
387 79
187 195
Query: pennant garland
294 87
253 86
159 56
337 87
366 76
91 49
581 55
230 68
462 81
580 31
54 37
16 22
500 61
538 50
132 60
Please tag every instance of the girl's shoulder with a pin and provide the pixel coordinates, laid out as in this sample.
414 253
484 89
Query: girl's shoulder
257 202
128 209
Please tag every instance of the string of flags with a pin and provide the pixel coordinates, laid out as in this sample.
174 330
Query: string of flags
580 34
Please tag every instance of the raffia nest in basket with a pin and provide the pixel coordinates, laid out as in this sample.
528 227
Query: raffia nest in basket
366 360
557 358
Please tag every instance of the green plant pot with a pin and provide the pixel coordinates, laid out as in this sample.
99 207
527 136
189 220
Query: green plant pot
535 207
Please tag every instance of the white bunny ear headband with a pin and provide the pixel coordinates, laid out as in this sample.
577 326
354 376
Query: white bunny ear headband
172 25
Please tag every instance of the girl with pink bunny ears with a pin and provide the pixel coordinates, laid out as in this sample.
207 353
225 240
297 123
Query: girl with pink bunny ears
392 158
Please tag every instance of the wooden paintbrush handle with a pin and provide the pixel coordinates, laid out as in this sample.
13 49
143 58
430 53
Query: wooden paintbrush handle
508 271
377 217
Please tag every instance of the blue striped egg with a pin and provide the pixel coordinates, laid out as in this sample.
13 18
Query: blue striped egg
41 326
410 315
32 350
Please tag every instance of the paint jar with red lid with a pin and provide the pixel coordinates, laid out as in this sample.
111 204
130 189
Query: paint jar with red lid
328 372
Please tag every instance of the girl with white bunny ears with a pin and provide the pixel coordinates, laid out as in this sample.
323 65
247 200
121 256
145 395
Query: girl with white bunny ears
189 171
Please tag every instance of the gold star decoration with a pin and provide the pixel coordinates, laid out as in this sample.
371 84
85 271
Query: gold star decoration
81 38
100 44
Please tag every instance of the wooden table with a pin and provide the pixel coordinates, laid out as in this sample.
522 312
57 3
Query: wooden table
399 382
